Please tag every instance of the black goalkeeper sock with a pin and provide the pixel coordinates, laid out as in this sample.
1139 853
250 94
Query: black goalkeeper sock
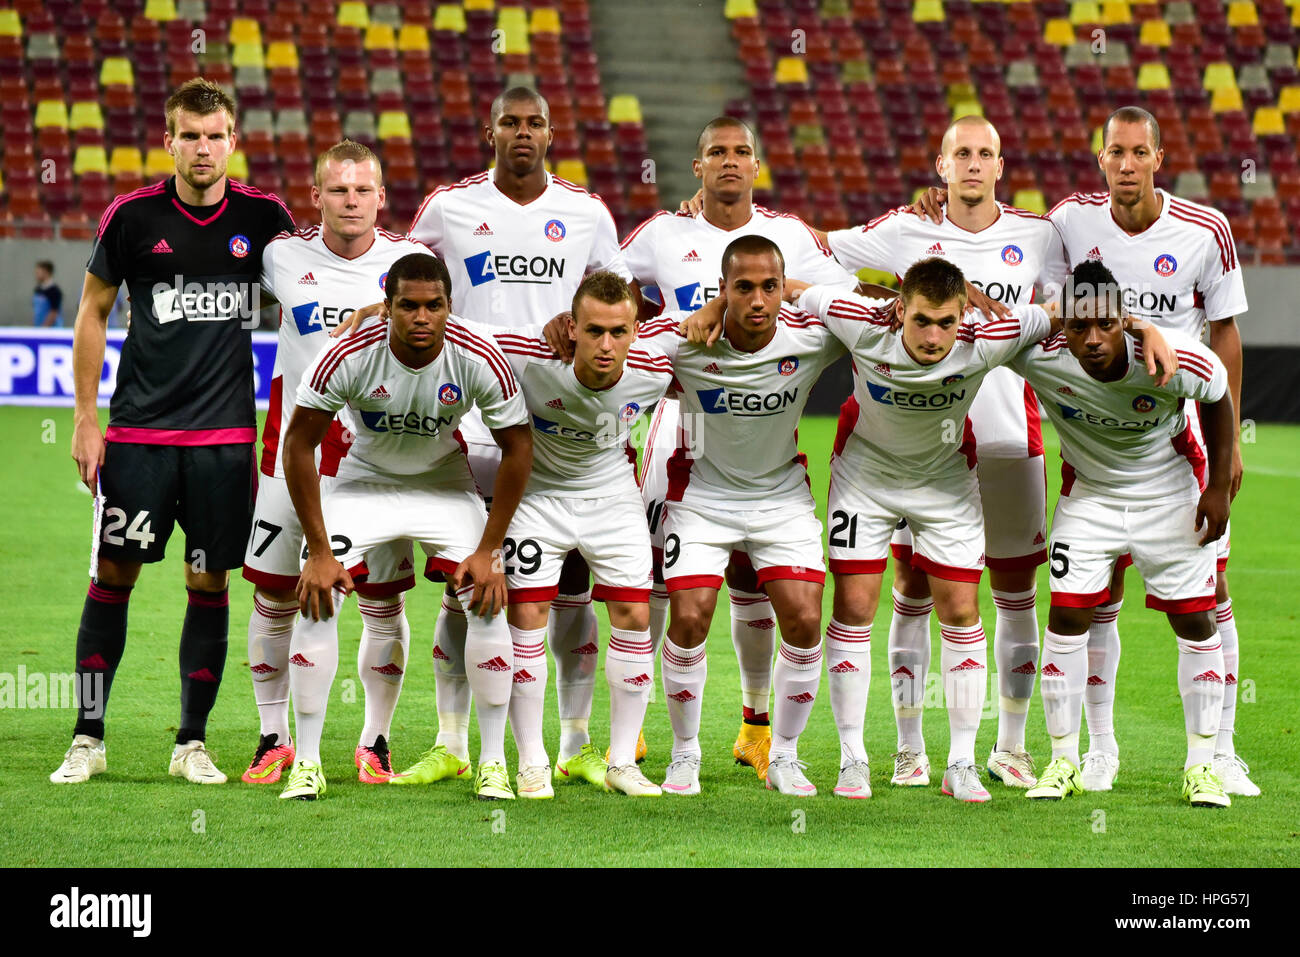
203 659
101 640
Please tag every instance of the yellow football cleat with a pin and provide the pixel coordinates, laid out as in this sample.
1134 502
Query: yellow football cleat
641 749
751 747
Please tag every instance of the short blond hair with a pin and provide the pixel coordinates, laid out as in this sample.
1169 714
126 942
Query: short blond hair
202 98
348 150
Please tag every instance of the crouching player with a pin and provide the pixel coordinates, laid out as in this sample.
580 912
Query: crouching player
409 381
1133 481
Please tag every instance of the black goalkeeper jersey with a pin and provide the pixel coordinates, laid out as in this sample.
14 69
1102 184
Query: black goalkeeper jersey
186 371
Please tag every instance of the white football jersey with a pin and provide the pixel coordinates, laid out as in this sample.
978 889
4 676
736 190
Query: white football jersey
1013 260
740 412
406 419
906 423
1128 440
317 289
581 437
1179 272
681 255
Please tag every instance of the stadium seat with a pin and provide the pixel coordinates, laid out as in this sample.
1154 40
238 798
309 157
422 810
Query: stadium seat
1153 76
10 23
394 125
352 13
51 113
90 159
1219 76
158 163
86 115
1242 14
125 161
1268 122
624 109
1226 99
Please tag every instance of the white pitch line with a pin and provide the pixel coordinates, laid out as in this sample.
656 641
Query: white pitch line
1280 473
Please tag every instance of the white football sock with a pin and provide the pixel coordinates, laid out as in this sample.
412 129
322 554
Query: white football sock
381 662
629 672
313 662
528 696
451 686
909 665
1103 664
684 671
270 629
1015 650
489 667
796 678
572 635
1064 677
848 668
964 660
753 635
1231 666
659 606
1200 683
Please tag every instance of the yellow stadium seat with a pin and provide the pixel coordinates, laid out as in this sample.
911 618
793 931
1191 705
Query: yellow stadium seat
353 14
281 55
791 69
573 170
412 37
1030 199
1288 100
394 125
380 36
764 178
1242 14
116 72
86 115
247 54
1112 13
479 5
1218 76
513 24
856 71
160 10
960 93
51 113
1153 76
1059 33
1226 100
449 17
833 9
10 24
90 159
624 108
159 163
927 11
237 167
967 108
1097 141
125 161
1155 33
244 30
544 20
1085 11
740 8
1269 122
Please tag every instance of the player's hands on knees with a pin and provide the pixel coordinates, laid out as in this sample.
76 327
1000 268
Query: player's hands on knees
357 319
992 308
705 325
1212 514
792 289
484 570
320 576
694 204
930 203
88 451
556 334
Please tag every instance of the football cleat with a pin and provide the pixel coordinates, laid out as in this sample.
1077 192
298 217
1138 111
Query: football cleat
785 774
855 780
752 746
1202 787
434 765
1234 774
683 776
586 765
85 757
492 783
306 782
374 764
535 782
629 779
1099 770
1015 769
911 769
962 781
269 762
193 762
641 749
1060 780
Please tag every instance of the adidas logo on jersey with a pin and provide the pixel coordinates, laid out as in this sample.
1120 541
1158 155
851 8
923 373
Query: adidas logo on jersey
390 670
162 247
439 654
379 393
1094 255
483 230
1051 671
902 671
1210 676
1065 390
1025 668
844 668
1095 680
494 664
691 257
884 370
1209 582
588 649
712 369
640 681
301 662
935 250
522 677
307 280
970 664
262 668
555 404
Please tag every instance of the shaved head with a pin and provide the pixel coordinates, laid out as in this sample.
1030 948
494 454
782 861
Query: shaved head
969 122
520 94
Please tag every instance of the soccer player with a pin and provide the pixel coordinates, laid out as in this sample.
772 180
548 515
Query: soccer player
582 494
1133 482
410 381
1009 254
904 450
318 274
1177 264
679 255
179 445
517 241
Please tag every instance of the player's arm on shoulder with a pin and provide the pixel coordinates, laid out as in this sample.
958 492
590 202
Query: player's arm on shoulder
1225 342
1160 356
556 334
321 573
484 568
849 317
705 325
930 204
89 336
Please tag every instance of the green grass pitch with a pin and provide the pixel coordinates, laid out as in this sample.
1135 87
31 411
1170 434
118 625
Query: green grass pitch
136 815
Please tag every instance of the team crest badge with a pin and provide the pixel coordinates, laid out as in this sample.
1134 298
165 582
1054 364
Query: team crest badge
950 379
383 282
629 412
239 246
787 365
1012 255
449 393
1166 265
1144 403
555 230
